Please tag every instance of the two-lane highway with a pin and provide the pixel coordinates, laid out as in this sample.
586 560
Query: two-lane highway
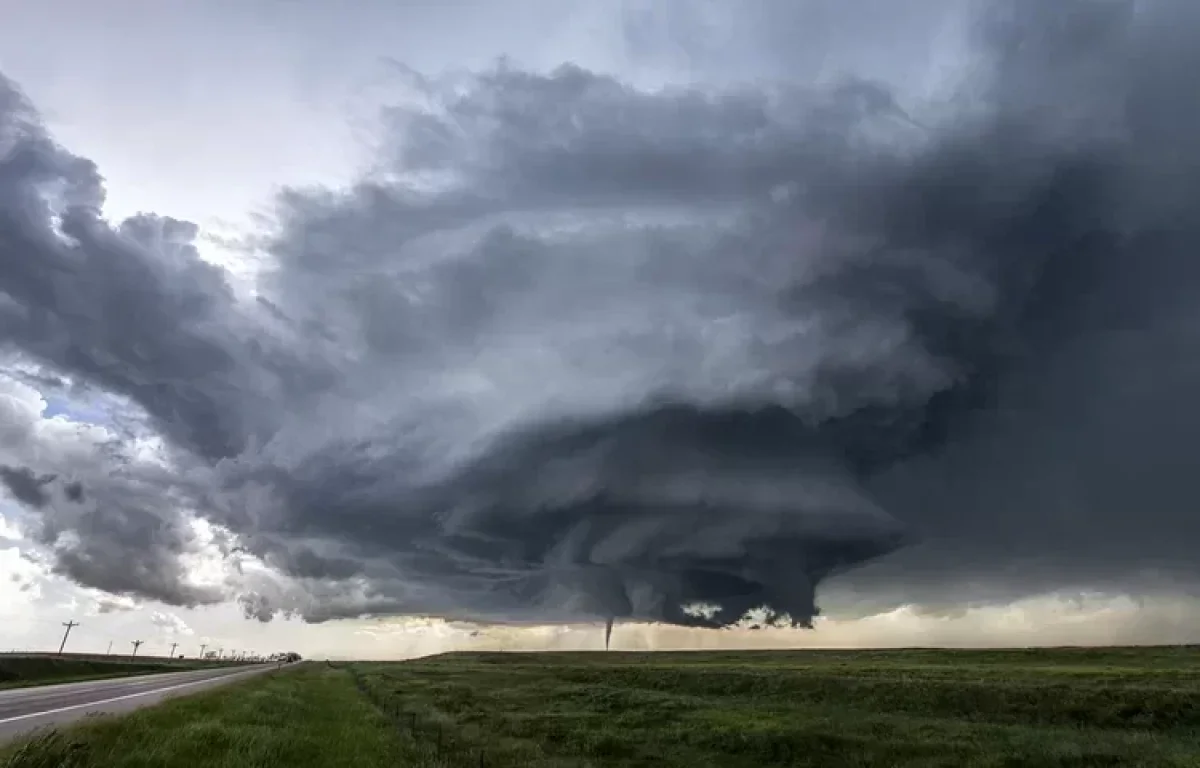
26 709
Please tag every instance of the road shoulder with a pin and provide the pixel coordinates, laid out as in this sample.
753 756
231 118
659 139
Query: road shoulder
27 709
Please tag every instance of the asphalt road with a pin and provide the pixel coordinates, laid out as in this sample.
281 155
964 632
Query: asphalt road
27 709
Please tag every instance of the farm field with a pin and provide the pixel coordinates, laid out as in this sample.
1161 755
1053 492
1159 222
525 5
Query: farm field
19 671
1069 707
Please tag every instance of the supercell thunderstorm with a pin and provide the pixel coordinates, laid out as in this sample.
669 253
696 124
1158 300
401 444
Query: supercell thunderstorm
580 351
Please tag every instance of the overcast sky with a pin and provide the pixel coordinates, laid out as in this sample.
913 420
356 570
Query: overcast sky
539 312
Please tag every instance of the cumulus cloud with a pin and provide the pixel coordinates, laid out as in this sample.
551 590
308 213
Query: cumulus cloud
575 349
170 623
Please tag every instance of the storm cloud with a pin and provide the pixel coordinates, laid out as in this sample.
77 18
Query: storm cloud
576 350
25 486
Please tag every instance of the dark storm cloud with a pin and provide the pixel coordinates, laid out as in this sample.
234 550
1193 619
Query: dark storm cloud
74 491
33 490
131 307
26 486
121 541
577 350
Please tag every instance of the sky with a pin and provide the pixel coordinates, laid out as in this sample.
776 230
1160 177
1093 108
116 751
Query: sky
398 327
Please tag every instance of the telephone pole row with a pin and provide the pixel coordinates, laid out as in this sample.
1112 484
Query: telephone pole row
136 643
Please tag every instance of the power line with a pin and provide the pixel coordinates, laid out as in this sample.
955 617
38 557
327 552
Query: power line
69 625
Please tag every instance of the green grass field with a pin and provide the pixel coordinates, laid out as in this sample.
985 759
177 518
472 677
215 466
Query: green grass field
1103 707
928 708
22 671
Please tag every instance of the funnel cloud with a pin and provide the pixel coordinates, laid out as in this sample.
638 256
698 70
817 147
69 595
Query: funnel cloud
580 350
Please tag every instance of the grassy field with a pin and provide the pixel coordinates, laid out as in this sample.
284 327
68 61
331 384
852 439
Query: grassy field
1104 707
22 671
922 708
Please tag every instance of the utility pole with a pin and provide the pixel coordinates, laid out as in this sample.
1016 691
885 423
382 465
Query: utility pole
69 625
109 651
202 651
136 644
172 654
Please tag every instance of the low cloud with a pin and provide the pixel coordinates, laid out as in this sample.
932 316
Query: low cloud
106 604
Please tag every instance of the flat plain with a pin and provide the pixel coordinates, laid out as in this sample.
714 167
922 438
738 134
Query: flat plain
1060 707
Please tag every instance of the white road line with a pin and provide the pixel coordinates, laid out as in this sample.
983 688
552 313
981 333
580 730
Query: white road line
45 712
86 686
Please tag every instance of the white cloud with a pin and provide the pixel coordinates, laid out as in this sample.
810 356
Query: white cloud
170 623
20 583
